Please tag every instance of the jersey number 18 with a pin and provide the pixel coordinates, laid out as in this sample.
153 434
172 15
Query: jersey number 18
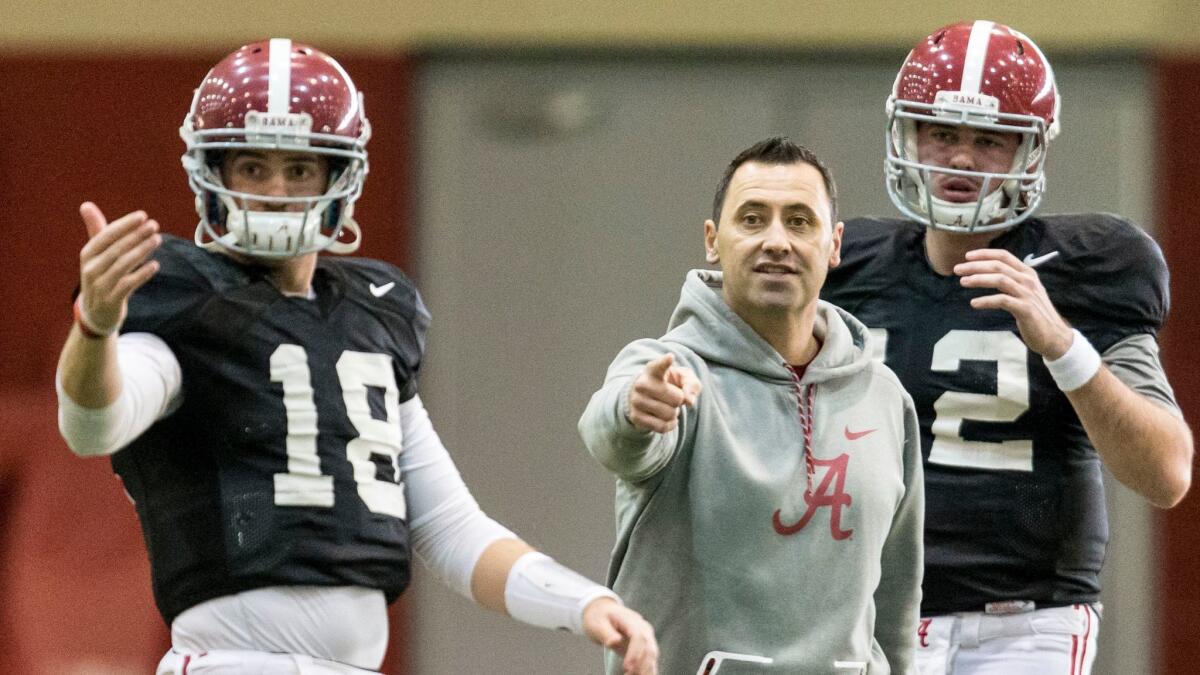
304 484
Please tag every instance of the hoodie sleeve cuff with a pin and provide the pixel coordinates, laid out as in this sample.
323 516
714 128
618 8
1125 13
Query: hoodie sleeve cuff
624 426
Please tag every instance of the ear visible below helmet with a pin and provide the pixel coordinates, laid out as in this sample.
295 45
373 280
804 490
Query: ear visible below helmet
983 75
276 95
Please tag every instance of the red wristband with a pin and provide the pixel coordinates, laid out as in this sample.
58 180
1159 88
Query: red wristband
88 332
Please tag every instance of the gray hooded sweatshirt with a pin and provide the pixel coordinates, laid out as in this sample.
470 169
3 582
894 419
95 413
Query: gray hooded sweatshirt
736 543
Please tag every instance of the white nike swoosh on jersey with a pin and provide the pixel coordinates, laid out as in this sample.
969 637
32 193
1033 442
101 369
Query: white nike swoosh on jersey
380 291
1034 262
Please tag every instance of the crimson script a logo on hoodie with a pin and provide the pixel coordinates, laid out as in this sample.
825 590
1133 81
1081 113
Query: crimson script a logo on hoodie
831 492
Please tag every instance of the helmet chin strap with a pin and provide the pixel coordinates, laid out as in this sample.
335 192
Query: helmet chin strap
961 215
204 238
342 247
276 234
999 209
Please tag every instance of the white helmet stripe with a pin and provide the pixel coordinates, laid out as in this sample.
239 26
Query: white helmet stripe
977 46
279 89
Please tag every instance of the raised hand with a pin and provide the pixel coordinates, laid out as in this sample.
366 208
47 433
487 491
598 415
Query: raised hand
625 632
113 264
658 393
1021 294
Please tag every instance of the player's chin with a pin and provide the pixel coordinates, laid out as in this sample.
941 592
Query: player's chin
958 196
270 263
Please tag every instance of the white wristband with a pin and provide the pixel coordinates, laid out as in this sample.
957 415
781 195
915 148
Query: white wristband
1077 366
541 592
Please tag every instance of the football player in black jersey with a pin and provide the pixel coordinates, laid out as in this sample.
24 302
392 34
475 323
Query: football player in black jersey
260 402
1029 346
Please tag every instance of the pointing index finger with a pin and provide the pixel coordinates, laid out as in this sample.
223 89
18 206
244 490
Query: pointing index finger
658 368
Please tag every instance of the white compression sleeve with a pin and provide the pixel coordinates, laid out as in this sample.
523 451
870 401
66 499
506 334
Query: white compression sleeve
449 531
151 388
543 593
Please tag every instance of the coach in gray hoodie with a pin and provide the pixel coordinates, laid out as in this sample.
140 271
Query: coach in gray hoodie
769 493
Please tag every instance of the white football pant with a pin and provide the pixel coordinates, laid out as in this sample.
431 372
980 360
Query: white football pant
1053 641
237 662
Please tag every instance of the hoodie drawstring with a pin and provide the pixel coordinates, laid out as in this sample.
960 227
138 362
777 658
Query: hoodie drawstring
805 401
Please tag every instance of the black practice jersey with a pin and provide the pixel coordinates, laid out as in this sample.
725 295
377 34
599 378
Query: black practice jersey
1014 499
279 467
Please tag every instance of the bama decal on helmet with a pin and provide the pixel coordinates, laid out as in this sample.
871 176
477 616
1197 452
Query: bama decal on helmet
981 58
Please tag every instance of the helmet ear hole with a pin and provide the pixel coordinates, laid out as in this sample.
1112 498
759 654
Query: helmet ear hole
333 215
213 159
337 167
214 210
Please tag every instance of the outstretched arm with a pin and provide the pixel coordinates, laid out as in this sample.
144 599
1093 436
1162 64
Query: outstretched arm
110 269
112 389
1143 444
631 425
514 579
484 561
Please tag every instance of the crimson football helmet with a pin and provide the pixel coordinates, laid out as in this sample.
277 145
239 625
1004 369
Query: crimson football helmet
277 95
983 75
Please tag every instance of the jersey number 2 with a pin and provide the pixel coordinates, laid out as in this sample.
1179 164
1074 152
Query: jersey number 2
304 484
1009 402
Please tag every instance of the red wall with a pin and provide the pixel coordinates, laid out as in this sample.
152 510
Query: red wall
1178 88
74 581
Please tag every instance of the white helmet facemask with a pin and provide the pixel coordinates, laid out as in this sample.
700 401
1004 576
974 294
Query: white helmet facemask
259 226
1005 198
